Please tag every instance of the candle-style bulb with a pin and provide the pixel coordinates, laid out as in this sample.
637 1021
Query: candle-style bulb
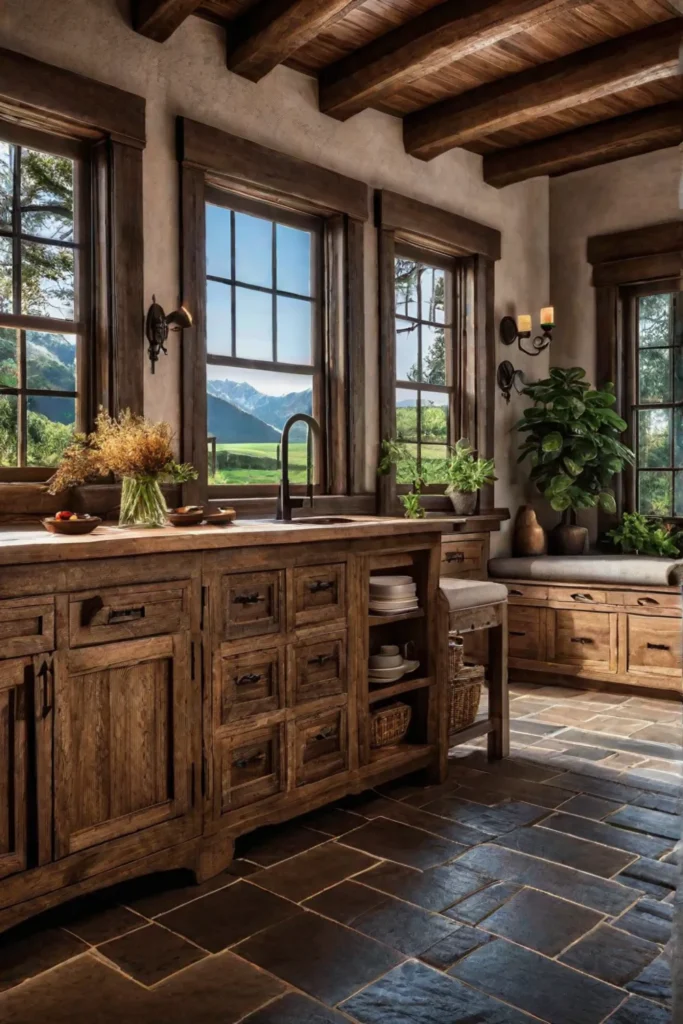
524 324
547 317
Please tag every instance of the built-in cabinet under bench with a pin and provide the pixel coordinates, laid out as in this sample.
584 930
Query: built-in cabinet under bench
160 694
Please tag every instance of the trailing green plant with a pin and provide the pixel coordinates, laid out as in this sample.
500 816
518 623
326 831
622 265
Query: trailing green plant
573 441
412 506
636 534
465 472
397 453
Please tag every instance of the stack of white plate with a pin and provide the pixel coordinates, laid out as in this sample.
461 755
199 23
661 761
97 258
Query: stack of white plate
391 594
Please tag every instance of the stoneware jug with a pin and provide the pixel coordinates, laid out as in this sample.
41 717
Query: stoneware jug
529 537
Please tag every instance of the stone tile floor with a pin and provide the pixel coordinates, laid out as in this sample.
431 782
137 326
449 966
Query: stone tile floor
539 888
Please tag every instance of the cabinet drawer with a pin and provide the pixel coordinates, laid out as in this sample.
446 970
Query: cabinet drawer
524 633
526 592
125 613
317 668
252 767
27 626
319 593
578 595
461 555
321 745
250 684
252 603
671 602
654 645
585 638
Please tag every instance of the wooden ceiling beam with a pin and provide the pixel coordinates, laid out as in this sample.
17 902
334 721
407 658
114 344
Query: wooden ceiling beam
641 132
158 19
441 36
272 31
592 74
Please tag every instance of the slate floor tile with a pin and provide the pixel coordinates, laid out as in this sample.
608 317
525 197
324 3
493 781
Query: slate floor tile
493 821
632 745
419 817
601 894
654 982
602 784
402 843
533 728
332 821
542 794
589 807
151 954
29 949
510 768
295 1009
227 916
568 850
541 922
540 986
612 955
664 876
610 835
416 994
311 872
268 846
434 889
401 926
320 957
648 919
157 894
345 902
614 725
652 823
461 941
475 908
660 733
640 1011
660 802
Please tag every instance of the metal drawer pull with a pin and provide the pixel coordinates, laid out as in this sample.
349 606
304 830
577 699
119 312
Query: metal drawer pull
244 762
320 585
582 597
582 640
647 600
247 598
46 673
328 733
320 659
516 632
455 556
658 647
125 614
247 680
515 593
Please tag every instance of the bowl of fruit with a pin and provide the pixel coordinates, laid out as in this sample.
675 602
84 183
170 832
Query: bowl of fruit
71 524
186 515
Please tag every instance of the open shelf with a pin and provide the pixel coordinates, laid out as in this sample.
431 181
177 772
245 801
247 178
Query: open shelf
479 728
404 686
383 620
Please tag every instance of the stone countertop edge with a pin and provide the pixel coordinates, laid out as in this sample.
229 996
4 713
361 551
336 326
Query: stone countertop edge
22 545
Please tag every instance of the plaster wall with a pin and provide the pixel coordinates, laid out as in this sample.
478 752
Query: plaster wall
187 75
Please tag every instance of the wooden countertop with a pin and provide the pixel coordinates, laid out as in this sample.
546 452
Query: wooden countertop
22 545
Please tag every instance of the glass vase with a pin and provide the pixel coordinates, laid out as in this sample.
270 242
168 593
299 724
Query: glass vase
142 502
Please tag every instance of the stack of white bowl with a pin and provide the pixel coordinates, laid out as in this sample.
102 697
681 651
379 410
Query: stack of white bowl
391 594
389 665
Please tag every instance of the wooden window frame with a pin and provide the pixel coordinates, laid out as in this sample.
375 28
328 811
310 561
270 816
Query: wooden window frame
472 249
209 157
626 265
45 105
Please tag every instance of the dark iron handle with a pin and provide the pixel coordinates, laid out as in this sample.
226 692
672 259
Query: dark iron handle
647 600
244 762
455 556
46 673
582 640
582 597
327 733
125 614
251 677
248 598
515 632
320 659
320 585
658 647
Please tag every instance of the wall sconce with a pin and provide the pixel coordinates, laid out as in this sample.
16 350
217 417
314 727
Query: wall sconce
512 331
157 326
508 378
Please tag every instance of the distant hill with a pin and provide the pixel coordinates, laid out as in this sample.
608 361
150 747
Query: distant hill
234 426
273 410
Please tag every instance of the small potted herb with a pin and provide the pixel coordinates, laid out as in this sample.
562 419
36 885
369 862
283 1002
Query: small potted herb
396 453
466 475
636 534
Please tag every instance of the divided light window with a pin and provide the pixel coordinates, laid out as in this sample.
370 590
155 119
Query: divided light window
657 421
41 329
264 338
425 393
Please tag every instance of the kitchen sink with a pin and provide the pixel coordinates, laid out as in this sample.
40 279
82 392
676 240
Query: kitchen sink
323 520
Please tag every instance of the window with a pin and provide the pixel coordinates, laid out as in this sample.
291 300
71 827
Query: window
424 361
263 338
41 294
657 412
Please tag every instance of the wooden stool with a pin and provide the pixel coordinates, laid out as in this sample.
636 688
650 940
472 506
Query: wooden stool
474 605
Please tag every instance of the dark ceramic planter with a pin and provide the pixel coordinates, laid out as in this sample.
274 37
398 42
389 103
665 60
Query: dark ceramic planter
568 540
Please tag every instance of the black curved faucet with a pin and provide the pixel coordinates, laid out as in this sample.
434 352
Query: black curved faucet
285 502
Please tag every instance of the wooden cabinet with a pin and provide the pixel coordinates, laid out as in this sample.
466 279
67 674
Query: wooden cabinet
124 718
125 613
250 766
317 668
583 638
465 555
252 604
654 646
15 682
27 626
319 594
249 684
526 634
320 745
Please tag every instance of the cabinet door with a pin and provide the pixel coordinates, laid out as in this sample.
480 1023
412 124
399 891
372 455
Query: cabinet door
125 721
525 632
654 646
15 677
585 639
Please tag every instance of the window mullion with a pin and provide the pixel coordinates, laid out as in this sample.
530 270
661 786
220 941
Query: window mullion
273 257
233 294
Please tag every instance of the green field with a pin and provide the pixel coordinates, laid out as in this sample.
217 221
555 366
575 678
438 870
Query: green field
257 463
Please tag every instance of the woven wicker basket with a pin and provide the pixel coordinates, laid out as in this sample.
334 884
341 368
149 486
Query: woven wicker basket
389 725
456 654
464 697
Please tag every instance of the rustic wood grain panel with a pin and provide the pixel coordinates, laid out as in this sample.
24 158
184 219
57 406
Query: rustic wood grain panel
422 223
653 240
13 765
158 19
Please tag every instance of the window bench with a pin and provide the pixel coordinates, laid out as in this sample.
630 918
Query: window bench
594 621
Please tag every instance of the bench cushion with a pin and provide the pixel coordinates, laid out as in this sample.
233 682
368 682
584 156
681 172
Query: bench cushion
472 593
635 570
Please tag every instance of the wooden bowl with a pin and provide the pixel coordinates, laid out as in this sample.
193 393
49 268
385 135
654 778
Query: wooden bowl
72 527
185 518
221 518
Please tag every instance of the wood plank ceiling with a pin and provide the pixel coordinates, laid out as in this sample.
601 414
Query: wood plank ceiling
535 86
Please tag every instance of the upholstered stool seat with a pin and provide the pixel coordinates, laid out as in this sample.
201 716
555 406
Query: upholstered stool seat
472 593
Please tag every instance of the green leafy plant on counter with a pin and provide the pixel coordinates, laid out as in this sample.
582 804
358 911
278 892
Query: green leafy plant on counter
465 472
636 534
412 506
396 453
573 441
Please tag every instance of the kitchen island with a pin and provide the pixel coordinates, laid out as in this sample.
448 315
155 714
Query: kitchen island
165 691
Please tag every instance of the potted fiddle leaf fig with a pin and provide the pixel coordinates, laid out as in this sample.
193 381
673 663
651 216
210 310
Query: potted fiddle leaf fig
466 475
572 442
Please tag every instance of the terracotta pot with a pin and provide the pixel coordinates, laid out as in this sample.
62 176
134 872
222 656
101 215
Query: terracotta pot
566 539
529 537
463 504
